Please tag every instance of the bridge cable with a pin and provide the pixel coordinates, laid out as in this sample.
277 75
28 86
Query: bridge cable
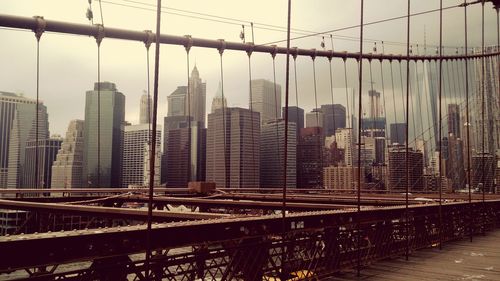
333 106
38 35
226 159
440 141
276 112
190 118
394 102
483 155
360 108
467 122
419 99
319 130
407 160
99 38
254 165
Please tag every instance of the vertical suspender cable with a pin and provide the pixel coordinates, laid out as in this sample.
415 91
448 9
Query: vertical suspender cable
153 141
318 143
226 159
394 101
38 35
467 122
287 80
276 111
189 93
331 91
360 59
296 83
99 40
440 121
254 165
402 91
483 155
349 122
407 164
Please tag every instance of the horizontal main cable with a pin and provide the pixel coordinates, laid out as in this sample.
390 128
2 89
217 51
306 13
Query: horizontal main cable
142 36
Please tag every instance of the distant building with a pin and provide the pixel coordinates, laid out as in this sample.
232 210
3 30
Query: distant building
68 166
196 102
272 155
146 110
454 120
218 101
23 128
266 99
398 133
171 123
185 160
345 141
483 172
310 158
177 102
47 151
136 151
342 178
334 117
295 115
398 179
103 155
315 118
233 154
455 164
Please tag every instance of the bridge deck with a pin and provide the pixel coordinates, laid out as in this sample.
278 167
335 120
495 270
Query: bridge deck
461 260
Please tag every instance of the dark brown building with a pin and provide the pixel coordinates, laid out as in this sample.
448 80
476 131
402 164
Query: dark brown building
310 158
397 169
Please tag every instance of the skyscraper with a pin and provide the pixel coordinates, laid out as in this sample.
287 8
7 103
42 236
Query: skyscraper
146 110
454 120
295 115
103 154
197 98
68 166
345 141
177 102
22 128
185 164
398 133
266 99
136 151
272 154
310 158
375 107
315 118
233 156
218 101
397 169
170 123
47 151
334 117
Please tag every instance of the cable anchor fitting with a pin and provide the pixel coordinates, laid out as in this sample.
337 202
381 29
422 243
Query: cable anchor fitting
222 46
189 43
150 38
295 53
40 27
274 51
313 55
100 34
250 47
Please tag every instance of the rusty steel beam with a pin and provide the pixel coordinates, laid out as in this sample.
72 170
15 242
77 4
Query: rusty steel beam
79 245
108 190
108 212
143 36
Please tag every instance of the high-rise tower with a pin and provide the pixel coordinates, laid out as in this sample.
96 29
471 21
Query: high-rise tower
197 98
103 154
266 99
146 110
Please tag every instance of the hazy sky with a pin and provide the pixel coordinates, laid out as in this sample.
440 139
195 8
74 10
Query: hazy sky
69 63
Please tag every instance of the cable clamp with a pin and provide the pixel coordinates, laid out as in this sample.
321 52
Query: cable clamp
295 53
313 55
189 43
222 46
100 34
150 38
40 27
250 47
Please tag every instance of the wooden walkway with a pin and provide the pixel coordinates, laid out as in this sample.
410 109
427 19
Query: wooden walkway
460 260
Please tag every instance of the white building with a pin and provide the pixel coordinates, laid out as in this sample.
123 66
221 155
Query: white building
266 99
345 142
146 110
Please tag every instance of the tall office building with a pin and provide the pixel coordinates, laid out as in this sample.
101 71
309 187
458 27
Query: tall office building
22 129
345 141
272 154
455 164
334 117
266 99
454 120
47 151
310 158
342 178
177 102
68 166
397 169
170 123
398 133
315 118
375 106
233 155
295 115
146 110
483 172
136 151
218 101
185 160
197 98
103 155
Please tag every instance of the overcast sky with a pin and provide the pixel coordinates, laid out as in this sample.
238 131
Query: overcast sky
68 63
